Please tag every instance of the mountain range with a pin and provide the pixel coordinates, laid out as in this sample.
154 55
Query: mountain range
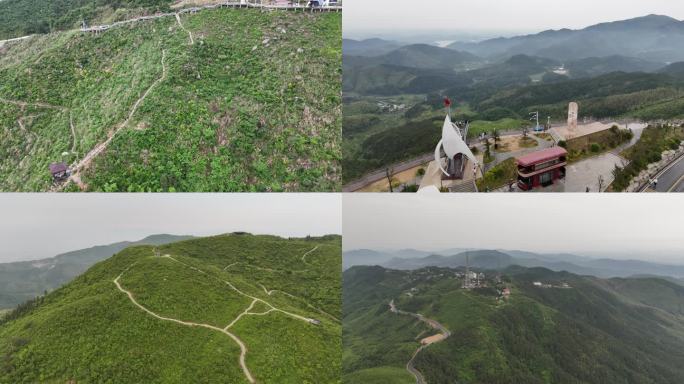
501 259
234 308
653 38
24 280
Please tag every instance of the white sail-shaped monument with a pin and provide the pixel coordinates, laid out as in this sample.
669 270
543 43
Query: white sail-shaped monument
453 143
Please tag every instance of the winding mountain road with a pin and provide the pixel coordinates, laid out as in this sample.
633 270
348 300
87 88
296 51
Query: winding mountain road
426 342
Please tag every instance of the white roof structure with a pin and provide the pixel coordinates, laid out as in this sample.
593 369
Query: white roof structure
453 144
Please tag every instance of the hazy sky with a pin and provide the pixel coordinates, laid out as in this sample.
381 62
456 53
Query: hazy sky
35 226
632 225
500 15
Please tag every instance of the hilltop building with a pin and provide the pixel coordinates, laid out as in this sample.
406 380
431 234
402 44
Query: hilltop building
59 171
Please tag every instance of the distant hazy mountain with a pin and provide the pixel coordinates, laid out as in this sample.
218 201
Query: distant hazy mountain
500 259
24 280
674 69
369 47
634 267
478 259
594 66
364 257
421 56
654 38
371 257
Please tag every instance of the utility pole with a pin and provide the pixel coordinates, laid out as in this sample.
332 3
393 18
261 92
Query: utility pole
466 281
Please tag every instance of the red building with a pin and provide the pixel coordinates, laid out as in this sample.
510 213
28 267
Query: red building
541 169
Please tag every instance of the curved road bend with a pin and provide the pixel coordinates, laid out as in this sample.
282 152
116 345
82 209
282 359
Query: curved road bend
672 178
444 332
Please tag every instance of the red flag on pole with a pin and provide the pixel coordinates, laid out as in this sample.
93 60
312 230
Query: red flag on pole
447 102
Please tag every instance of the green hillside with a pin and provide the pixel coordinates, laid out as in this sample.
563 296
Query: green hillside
24 280
225 100
25 17
187 312
593 331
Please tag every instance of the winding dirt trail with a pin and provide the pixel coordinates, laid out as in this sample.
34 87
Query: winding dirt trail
272 291
183 28
426 342
322 312
23 104
73 132
98 149
306 254
243 347
225 330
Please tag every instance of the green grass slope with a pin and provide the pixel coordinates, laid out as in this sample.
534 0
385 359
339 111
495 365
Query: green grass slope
252 105
597 331
90 331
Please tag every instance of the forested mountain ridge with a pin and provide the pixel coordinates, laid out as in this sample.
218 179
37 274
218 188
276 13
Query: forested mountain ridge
652 37
24 280
238 308
571 329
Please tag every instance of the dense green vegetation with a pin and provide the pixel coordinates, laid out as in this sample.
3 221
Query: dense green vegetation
501 174
252 105
25 17
89 331
384 148
654 141
596 331
595 143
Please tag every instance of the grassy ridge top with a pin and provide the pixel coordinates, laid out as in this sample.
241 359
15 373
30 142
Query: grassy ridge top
597 331
90 331
25 17
252 105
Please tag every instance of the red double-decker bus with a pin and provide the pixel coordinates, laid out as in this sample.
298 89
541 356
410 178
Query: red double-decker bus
542 168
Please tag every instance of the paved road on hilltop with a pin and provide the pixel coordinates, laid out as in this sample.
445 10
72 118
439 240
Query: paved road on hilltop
672 178
432 323
405 165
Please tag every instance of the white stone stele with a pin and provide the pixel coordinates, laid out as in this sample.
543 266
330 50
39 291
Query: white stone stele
453 144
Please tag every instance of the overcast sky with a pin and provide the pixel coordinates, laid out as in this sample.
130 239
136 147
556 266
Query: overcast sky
35 226
622 225
500 15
